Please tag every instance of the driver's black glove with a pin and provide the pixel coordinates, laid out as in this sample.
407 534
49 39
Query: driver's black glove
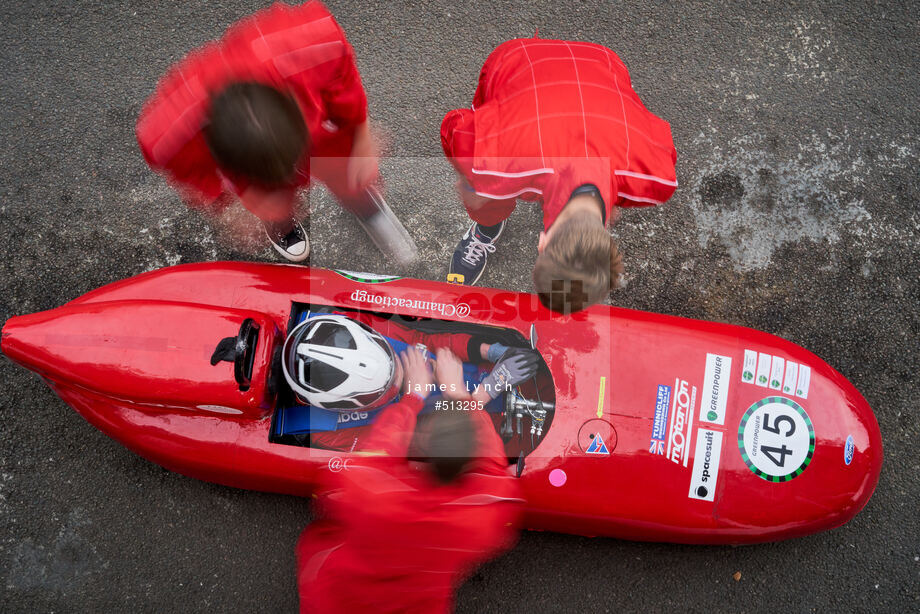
515 366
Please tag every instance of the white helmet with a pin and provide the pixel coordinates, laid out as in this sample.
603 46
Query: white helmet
334 362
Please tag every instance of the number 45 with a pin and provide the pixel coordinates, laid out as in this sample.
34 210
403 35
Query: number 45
777 455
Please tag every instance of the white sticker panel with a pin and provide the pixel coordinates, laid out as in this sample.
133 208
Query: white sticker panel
763 370
801 388
776 373
792 370
705 465
750 366
715 388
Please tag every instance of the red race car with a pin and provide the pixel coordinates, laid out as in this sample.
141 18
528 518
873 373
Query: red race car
636 425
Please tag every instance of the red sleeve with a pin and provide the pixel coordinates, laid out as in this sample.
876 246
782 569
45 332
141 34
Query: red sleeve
458 137
393 429
308 49
298 47
486 75
169 130
343 440
344 96
458 343
490 457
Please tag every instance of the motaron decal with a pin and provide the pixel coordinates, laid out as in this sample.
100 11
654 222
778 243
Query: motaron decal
706 460
680 428
715 388
776 439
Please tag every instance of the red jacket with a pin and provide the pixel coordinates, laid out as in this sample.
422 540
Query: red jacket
352 438
301 50
549 116
393 539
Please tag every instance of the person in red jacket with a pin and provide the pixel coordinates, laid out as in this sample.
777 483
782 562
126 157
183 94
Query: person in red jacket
556 121
396 538
255 115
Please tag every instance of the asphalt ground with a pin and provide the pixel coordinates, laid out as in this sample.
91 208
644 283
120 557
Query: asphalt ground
796 127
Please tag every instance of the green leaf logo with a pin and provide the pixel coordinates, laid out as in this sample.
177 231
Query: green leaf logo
748 375
712 416
775 383
785 388
763 379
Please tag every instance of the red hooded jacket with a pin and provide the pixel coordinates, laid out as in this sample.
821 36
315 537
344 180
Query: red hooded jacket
301 50
395 540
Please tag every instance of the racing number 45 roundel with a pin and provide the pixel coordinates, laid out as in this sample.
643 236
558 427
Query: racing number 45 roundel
776 439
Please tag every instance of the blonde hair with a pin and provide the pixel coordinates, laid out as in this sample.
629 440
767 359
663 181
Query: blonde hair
579 266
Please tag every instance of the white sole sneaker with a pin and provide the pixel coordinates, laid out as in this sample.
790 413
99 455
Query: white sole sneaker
295 252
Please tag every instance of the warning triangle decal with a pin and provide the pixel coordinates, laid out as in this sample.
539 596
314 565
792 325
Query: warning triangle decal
597 446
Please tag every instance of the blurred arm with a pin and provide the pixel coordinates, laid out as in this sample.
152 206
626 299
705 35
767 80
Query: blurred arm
392 431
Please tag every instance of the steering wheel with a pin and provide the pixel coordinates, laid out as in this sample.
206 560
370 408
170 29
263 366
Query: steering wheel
239 350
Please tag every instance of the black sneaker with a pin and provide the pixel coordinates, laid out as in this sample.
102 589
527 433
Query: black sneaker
294 246
469 259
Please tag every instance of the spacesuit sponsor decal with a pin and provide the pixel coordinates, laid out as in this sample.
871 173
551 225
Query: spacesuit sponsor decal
706 460
776 439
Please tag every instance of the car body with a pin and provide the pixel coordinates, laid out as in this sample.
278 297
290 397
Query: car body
661 428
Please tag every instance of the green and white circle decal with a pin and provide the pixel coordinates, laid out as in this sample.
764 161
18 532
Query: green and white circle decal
367 278
776 439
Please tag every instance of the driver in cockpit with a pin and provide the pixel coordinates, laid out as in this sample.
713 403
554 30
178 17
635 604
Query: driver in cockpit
349 364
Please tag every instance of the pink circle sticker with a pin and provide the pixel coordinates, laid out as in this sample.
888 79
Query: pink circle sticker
557 477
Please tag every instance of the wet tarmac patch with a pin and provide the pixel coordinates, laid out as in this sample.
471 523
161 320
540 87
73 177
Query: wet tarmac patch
59 566
753 200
